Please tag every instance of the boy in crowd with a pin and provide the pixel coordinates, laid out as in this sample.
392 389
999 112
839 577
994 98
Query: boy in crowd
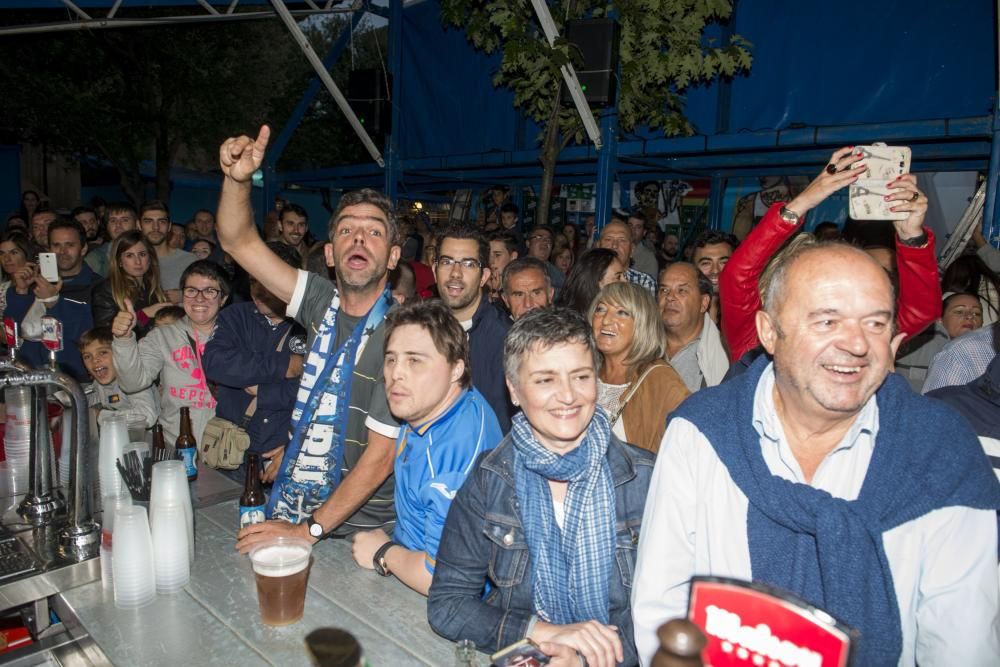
95 348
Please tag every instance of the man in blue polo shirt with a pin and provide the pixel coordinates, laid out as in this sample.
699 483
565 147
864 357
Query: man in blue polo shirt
447 424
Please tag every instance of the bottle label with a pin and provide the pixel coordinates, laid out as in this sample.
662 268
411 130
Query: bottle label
190 465
251 514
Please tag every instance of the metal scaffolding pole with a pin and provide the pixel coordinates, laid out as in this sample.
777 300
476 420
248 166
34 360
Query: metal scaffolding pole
338 97
569 75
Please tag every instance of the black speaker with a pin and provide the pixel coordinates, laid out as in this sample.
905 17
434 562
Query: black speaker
368 95
597 41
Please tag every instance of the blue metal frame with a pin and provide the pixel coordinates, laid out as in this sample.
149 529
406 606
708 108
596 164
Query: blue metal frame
991 223
392 161
278 146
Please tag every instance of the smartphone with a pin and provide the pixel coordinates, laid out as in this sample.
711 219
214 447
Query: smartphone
524 653
47 266
883 164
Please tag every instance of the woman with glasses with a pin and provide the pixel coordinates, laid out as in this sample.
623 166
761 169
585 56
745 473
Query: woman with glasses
133 276
172 353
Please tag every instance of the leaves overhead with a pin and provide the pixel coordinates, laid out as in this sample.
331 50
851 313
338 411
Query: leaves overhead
663 50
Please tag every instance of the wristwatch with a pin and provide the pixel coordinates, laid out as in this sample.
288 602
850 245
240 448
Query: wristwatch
378 560
789 216
916 241
315 529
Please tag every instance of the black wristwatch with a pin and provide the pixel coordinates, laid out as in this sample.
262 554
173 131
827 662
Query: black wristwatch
315 529
378 560
916 241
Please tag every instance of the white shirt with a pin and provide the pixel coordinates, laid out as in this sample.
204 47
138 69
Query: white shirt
944 564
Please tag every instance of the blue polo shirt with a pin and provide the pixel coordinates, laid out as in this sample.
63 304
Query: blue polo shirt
432 461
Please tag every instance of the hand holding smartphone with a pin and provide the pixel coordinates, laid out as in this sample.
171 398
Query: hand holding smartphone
47 266
866 196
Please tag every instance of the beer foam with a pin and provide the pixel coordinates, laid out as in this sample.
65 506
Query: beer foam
280 560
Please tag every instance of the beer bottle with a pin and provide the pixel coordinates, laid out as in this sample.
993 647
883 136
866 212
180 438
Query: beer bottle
186 446
159 448
252 501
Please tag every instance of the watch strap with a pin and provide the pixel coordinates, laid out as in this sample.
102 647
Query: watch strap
789 216
916 241
311 521
378 560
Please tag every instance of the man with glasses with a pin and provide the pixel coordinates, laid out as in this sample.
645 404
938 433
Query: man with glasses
154 221
540 243
461 270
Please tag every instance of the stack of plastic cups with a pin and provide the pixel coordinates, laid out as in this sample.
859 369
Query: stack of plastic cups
132 559
17 433
114 438
170 546
13 484
111 506
170 487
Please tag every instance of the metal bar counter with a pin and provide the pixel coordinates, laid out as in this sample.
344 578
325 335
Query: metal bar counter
215 619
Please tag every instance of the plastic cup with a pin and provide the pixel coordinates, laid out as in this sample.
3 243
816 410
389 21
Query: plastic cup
136 425
170 549
170 486
18 425
114 438
132 559
281 567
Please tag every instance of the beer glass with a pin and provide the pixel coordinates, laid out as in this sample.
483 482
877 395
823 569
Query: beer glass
281 567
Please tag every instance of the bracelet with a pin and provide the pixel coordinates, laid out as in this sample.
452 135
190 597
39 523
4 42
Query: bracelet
915 242
49 299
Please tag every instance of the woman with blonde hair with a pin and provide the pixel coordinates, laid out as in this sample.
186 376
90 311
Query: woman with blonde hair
133 278
636 385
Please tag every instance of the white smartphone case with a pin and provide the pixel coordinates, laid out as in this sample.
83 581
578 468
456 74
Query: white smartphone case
866 195
47 266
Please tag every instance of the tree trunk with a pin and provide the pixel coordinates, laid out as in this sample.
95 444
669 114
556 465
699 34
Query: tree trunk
131 182
551 147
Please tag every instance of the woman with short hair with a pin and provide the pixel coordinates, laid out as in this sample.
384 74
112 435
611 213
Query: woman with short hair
548 522
636 385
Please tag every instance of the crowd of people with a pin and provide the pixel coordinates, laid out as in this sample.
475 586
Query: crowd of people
548 432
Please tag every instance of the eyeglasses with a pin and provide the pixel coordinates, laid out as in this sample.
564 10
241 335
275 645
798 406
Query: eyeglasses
209 292
467 263
544 238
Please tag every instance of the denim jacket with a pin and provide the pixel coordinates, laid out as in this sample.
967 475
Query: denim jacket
484 542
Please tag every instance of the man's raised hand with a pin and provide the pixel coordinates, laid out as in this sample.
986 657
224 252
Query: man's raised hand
240 157
124 321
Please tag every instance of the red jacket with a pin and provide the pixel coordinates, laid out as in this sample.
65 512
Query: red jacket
917 305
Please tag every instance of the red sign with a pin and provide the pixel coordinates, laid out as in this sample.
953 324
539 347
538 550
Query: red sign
10 331
52 337
758 626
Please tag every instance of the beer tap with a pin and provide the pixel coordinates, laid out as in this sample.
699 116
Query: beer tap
80 539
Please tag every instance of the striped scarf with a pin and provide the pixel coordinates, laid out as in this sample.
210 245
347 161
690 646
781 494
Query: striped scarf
311 467
572 566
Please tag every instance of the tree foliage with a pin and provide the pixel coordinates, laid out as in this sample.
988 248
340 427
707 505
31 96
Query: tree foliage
171 94
663 51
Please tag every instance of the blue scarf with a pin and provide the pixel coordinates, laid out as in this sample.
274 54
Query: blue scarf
572 567
827 550
311 466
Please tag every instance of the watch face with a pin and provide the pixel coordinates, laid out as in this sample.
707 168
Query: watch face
315 530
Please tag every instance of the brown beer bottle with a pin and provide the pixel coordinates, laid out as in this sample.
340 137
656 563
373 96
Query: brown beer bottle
159 448
252 501
186 446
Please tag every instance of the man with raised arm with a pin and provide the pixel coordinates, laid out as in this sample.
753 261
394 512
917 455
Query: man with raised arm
334 475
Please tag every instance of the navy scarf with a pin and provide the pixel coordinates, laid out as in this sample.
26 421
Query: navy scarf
827 550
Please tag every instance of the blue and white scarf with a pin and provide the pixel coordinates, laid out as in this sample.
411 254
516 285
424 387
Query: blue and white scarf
311 466
572 567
